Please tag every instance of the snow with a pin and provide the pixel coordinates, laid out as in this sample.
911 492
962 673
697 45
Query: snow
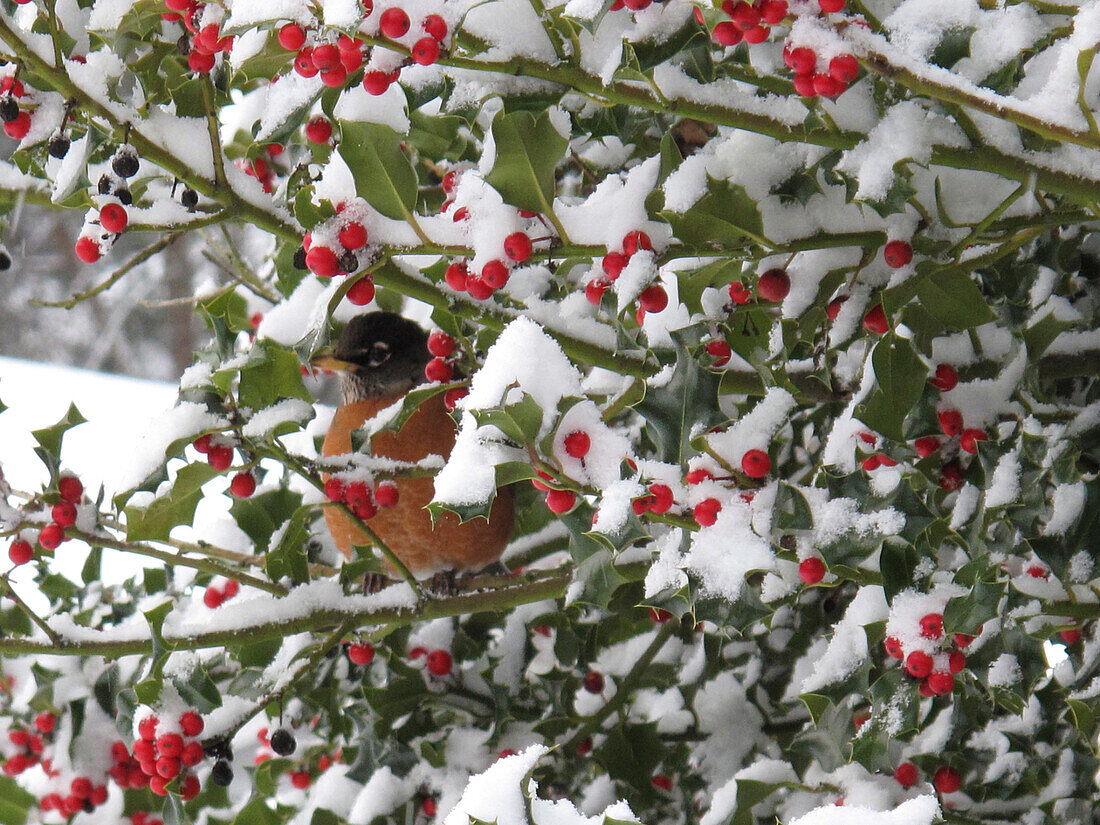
1004 671
497 795
847 648
921 810
1066 502
290 410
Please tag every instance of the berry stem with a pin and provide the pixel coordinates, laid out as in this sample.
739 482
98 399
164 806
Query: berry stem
212 129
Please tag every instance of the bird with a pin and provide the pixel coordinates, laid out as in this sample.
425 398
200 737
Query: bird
379 357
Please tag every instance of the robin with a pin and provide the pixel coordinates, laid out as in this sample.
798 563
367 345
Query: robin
379 357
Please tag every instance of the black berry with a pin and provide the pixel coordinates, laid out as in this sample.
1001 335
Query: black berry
189 198
348 262
5 260
125 163
300 259
9 109
104 186
283 742
124 196
221 774
58 146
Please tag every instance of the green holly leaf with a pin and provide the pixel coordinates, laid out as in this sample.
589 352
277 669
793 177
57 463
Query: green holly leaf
900 378
384 177
528 150
49 438
953 298
724 217
175 507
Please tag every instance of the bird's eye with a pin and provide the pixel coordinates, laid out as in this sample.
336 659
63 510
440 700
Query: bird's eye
379 354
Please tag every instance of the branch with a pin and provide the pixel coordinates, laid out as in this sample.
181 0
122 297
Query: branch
34 617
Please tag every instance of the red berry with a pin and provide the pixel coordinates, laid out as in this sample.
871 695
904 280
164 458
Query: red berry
494 274
956 661
833 309
335 489
653 299
170 744
440 343
661 495
158 785
721 352
947 780
87 249
871 463
577 444
51 536
517 246
613 264
189 789
926 445
243 485
291 37
811 570
300 779
435 26
661 781
697 476
147 730
455 276
322 261
326 56
906 774
755 463
1038 571
726 34
376 82
386 494
318 130
70 488
20 552
951 475
191 723
425 51
738 294
361 292
706 512
893 647
220 456
941 683
918 663
963 639
231 588
897 254
560 501
633 241
946 378
439 662
112 217
361 654
45 722
594 682
830 6
844 68
757 34
951 422
18 128
438 370
303 63
452 396
801 60
168 766
875 320
1070 637
353 236
931 626
428 806
970 438
64 514
191 754
394 23
200 62
773 11
81 787
774 285
417 652
594 290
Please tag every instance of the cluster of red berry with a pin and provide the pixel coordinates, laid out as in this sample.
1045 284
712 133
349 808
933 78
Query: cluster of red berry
896 254
755 464
333 57
945 780
440 369
320 257
773 286
359 497
652 299
30 744
750 22
215 596
437 662
163 757
218 450
206 39
936 671
62 514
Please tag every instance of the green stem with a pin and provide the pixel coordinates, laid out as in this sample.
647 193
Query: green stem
176 559
212 131
625 688
34 617
532 587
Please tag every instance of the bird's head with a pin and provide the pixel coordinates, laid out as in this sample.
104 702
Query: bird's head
378 354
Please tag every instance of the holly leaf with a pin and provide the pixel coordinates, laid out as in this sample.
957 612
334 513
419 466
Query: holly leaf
953 298
272 376
49 438
383 175
176 507
527 153
899 379
725 216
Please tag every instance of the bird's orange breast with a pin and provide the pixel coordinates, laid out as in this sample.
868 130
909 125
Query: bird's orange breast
407 527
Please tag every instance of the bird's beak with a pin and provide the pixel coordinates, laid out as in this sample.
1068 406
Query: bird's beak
328 361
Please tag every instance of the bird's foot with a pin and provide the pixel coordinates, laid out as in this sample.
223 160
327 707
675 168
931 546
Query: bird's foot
375 582
443 583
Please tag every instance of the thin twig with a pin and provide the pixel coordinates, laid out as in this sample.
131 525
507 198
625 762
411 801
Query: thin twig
34 617
138 259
